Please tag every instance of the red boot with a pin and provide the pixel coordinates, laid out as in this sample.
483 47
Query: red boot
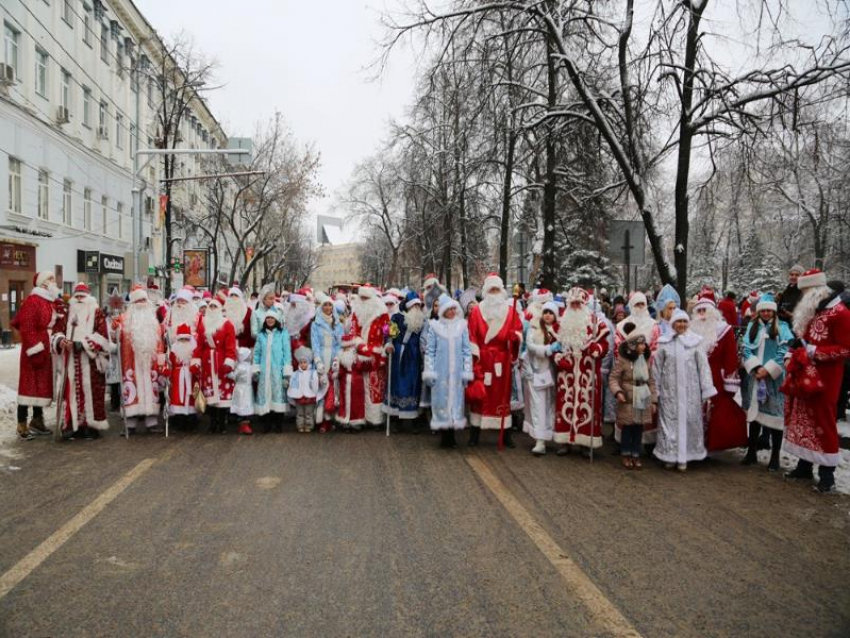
245 428
325 427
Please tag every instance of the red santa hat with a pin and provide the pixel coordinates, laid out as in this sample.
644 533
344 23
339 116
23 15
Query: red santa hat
349 340
705 298
183 330
368 291
753 297
82 289
221 296
430 280
541 295
813 278
41 278
578 294
492 281
138 293
206 295
236 290
184 294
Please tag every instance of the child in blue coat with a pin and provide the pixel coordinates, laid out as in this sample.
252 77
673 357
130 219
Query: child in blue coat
272 370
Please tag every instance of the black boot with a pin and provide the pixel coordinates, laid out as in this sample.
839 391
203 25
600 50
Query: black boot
447 439
764 440
752 444
213 420
775 449
508 440
474 435
802 471
827 479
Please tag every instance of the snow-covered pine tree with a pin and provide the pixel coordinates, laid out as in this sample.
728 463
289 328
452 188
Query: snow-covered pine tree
755 269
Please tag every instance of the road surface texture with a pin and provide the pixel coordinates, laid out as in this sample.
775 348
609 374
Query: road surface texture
361 535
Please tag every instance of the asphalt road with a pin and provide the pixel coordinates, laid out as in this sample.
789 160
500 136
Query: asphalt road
360 535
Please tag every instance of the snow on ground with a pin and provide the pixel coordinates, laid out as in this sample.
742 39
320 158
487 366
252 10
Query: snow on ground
788 462
844 429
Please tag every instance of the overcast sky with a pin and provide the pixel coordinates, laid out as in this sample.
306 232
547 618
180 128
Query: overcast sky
307 59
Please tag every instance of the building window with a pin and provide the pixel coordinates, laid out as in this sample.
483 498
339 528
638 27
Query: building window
104 43
86 106
87 204
119 128
134 143
87 21
66 90
120 208
43 195
41 73
14 185
119 59
103 117
68 13
11 39
104 214
67 211
134 75
150 92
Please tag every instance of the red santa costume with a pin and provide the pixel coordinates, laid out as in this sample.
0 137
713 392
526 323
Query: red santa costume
237 311
495 336
351 374
215 355
156 300
811 432
35 320
140 338
299 319
370 324
182 312
81 338
578 391
725 420
181 399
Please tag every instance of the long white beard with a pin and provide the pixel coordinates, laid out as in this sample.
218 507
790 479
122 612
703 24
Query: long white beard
368 310
80 311
807 307
235 310
493 306
183 350
213 320
414 319
707 329
346 357
298 317
143 329
572 332
179 315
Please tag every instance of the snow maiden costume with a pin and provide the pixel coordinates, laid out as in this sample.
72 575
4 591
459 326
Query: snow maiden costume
272 365
538 372
683 380
325 336
448 368
765 346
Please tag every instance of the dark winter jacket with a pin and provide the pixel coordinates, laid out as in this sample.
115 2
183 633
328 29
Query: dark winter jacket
787 301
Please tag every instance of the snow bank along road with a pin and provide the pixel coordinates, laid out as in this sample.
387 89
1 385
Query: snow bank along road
368 536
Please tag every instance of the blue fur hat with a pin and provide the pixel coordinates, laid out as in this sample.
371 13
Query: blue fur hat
667 294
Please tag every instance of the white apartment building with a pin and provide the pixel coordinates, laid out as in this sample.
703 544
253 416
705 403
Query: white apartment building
77 99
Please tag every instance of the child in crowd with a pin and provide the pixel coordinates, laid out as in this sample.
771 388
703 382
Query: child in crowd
634 388
272 370
243 394
304 390
181 397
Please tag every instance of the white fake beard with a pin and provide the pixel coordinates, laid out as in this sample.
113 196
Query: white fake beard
298 317
493 306
414 319
368 310
80 309
183 350
143 329
53 289
705 327
235 309
807 307
346 357
213 320
572 332
179 315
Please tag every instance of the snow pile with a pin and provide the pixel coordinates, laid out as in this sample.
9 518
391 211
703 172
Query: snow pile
8 401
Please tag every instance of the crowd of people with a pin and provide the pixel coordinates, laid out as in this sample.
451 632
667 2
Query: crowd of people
677 381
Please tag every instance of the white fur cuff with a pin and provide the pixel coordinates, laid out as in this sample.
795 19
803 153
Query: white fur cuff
39 347
773 369
751 364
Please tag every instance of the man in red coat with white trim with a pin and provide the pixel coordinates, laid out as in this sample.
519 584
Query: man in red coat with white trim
239 312
495 335
370 323
82 340
583 341
214 362
35 320
725 420
811 431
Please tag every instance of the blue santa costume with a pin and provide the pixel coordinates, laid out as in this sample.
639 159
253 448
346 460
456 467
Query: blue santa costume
405 386
448 368
765 347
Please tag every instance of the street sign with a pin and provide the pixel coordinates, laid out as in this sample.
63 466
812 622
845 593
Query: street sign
626 242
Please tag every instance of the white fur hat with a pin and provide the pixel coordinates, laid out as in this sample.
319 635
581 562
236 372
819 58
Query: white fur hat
236 290
303 354
636 298
138 293
367 291
492 281
42 277
679 315
184 294
552 307
813 278
446 303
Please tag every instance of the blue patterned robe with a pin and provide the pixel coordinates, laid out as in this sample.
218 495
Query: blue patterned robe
405 385
273 360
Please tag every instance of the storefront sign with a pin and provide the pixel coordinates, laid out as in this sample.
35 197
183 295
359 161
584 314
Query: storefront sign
111 264
17 257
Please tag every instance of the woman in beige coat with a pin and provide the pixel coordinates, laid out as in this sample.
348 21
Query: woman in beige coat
632 384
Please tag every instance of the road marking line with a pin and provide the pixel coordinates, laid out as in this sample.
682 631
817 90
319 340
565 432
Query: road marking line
31 561
603 613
